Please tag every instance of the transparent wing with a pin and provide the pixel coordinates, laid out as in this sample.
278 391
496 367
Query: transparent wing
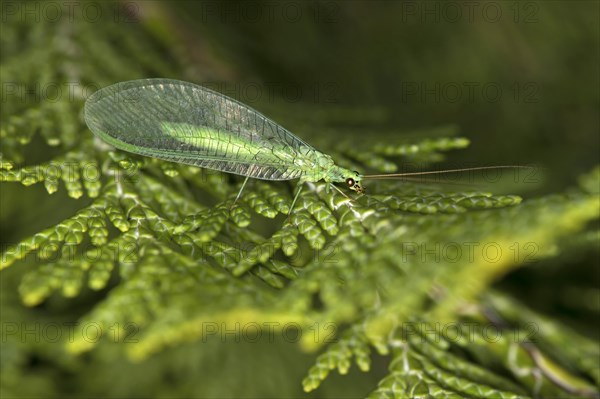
183 122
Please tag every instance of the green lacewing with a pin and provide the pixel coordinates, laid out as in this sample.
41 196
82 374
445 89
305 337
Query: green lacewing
182 122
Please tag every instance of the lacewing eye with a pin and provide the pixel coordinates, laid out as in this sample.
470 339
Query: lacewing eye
350 182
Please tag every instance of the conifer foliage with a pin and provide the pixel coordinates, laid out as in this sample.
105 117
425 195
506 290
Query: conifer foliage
156 255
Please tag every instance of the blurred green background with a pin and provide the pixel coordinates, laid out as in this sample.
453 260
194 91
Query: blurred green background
519 79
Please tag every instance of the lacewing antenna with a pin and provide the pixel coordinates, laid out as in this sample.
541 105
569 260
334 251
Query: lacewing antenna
424 180
438 172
